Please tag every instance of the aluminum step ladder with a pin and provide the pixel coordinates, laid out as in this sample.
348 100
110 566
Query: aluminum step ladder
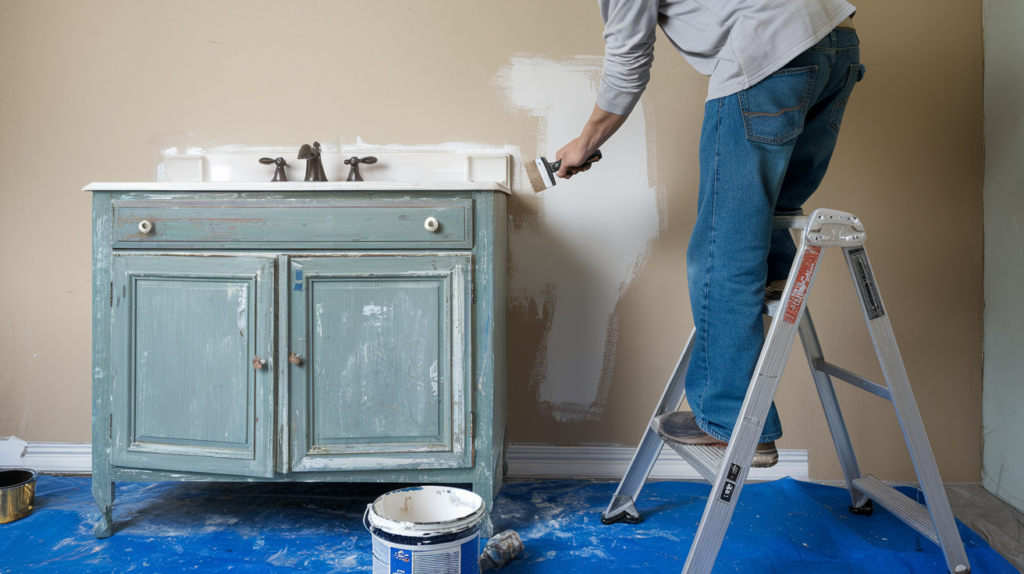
726 468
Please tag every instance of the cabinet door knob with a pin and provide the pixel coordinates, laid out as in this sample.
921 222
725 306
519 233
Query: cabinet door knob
431 224
145 226
258 362
295 359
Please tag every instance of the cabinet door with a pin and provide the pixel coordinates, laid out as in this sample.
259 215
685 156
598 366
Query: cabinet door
186 393
384 381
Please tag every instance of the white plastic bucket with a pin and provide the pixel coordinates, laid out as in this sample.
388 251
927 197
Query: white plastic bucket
426 530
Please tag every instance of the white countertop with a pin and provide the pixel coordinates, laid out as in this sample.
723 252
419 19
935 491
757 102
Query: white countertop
300 186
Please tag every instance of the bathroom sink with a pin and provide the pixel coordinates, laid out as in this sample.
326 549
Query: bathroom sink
419 167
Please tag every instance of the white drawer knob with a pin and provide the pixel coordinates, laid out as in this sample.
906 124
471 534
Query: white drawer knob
431 224
145 226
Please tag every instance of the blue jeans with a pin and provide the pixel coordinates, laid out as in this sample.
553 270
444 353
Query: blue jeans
763 151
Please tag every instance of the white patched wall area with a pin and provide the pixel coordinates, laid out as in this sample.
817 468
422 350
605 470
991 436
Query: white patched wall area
591 235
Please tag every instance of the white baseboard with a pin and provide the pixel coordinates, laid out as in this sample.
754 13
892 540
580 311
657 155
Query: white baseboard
612 461
54 457
607 462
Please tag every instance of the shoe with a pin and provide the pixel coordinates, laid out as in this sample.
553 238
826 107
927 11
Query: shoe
681 427
774 290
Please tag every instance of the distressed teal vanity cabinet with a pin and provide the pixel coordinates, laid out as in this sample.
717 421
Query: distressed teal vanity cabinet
298 332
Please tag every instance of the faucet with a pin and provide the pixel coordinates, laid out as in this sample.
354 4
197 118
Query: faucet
279 174
314 165
353 174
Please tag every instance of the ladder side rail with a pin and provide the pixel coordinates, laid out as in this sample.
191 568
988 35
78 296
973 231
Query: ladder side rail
647 452
907 412
740 453
833 414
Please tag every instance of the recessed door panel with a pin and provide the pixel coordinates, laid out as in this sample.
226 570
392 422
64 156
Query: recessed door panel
186 333
384 377
191 350
377 352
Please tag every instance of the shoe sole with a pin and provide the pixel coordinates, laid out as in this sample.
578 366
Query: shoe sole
765 459
678 430
762 459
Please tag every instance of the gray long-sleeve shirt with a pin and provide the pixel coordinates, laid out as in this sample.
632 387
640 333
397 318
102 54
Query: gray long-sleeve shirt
736 42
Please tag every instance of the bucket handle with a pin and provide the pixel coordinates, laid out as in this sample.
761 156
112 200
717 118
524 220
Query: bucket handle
366 518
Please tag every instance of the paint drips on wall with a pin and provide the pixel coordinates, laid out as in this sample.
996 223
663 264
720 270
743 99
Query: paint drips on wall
576 257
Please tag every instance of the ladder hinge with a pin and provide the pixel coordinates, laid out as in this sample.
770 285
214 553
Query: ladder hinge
110 430
111 293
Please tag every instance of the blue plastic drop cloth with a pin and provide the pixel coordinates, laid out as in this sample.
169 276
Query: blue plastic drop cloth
784 526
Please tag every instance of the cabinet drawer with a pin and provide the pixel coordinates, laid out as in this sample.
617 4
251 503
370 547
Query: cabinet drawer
299 223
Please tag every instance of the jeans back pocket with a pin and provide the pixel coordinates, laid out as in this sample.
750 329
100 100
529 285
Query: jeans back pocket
774 109
855 75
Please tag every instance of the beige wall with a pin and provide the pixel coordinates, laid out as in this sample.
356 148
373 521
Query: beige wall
94 91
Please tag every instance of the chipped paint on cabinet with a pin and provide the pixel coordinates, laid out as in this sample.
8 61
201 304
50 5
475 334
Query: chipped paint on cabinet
386 379
185 333
295 223
381 343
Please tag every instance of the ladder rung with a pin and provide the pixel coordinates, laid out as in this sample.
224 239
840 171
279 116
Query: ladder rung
706 460
771 308
789 222
853 378
915 515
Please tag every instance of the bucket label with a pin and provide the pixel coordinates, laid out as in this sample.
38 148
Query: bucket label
457 557
401 561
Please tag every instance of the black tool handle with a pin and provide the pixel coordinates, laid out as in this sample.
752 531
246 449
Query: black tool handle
596 156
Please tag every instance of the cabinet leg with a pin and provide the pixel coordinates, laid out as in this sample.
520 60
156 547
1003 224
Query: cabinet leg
103 492
485 489
486 529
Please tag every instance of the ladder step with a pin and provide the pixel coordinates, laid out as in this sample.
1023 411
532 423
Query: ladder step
706 460
771 307
915 515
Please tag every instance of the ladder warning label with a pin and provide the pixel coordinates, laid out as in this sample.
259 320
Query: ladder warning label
866 283
803 282
727 491
734 471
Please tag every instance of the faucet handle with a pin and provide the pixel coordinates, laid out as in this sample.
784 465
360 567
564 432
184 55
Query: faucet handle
279 174
355 160
354 174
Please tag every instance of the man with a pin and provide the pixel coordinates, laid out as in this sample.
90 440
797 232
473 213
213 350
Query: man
781 74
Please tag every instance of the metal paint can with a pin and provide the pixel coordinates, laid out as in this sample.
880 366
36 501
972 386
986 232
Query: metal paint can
17 493
433 529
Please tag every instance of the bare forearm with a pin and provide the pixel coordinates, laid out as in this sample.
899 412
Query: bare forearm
598 129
